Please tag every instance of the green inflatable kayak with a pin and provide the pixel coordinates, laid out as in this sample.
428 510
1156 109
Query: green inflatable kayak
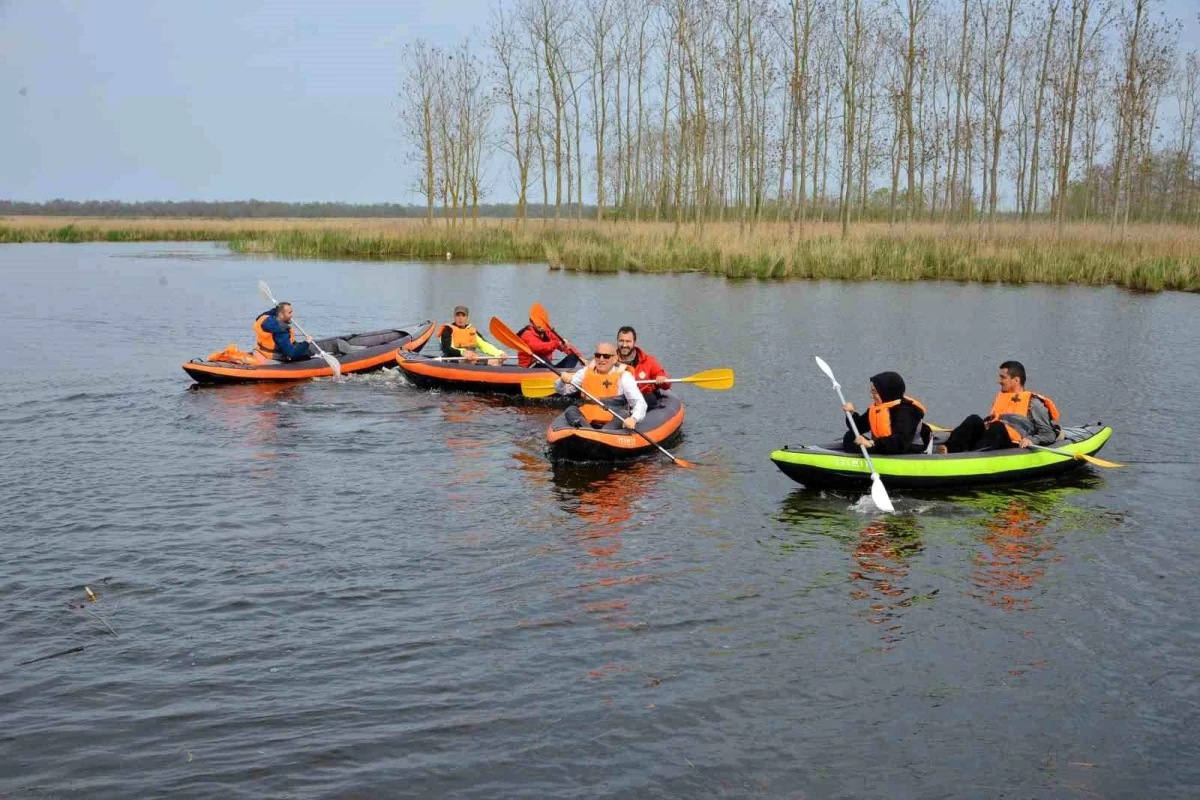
832 468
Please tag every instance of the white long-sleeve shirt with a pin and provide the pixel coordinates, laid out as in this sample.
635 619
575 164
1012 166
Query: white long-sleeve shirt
625 384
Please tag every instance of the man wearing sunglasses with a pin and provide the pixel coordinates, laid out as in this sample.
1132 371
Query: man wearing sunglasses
608 381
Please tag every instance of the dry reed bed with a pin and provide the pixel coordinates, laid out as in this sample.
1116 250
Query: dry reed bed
1146 257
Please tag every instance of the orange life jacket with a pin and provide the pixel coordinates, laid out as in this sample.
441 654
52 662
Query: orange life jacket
603 387
880 416
463 338
232 355
264 341
1017 404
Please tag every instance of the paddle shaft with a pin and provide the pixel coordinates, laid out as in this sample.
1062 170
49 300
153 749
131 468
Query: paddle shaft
850 418
574 350
719 379
516 342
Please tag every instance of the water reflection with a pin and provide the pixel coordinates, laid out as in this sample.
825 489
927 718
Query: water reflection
469 444
884 548
254 415
1018 530
1018 551
881 551
1020 533
603 501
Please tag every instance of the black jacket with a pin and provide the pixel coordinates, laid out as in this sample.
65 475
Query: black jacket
906 421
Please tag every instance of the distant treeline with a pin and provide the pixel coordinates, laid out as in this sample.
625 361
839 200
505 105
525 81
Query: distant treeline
238 209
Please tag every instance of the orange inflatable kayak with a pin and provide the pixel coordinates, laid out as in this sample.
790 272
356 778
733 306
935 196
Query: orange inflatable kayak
429 372
662 425
355 352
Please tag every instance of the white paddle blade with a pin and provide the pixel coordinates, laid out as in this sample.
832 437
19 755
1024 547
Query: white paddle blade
265 291
879 495
333 364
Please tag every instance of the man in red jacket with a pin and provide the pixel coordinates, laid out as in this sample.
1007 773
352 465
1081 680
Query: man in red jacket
544 341
644 366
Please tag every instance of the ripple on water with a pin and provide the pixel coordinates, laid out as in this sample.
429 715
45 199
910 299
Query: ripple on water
357 587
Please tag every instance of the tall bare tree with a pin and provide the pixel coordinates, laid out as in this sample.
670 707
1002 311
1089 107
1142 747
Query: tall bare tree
419 94
512 91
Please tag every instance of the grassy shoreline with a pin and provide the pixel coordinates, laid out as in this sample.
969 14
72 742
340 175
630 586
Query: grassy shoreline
1147 258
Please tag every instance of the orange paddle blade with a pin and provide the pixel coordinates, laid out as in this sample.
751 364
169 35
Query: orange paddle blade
505 336
538 316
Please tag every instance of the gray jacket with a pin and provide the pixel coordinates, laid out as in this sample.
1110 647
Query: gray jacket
1037 426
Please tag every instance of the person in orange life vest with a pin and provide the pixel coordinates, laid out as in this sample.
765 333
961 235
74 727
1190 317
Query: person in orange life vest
606 380
893 424
274 339
1018 418
543 341
461 339
644 366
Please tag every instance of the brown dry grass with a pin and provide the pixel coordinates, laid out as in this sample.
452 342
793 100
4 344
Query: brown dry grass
1148 257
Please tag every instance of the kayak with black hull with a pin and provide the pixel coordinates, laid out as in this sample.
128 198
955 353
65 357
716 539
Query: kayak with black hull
429 372
355 352
662 426
830 467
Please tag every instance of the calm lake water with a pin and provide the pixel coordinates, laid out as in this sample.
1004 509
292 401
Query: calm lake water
361 589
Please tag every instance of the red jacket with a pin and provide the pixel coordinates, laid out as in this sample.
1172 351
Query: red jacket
543 345
645 367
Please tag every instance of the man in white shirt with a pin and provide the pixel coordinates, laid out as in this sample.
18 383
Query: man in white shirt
605 381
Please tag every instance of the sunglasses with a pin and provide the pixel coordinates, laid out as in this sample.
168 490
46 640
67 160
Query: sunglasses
605 355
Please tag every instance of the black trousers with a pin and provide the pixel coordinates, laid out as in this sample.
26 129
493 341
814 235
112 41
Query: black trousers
972 434
850 447
577 420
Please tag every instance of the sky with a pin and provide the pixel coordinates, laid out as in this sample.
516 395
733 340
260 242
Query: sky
290 100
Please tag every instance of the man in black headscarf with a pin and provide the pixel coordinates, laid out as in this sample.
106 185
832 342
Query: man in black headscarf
892 425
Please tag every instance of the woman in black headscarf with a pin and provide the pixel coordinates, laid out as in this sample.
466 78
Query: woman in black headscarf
892 425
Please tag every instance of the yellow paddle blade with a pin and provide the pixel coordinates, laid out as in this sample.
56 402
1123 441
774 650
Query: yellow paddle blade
537 387
1099 462
937 428
720 379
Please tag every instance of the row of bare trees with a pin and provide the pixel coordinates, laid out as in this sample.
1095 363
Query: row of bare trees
699 110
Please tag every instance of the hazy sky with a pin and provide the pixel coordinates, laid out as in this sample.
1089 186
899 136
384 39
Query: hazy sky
223 99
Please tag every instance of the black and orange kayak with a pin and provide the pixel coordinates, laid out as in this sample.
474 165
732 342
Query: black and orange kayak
429 372
355 352
662 426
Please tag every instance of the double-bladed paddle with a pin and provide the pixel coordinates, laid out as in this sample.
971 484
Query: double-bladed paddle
719 379
504 334
879 494
265 291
